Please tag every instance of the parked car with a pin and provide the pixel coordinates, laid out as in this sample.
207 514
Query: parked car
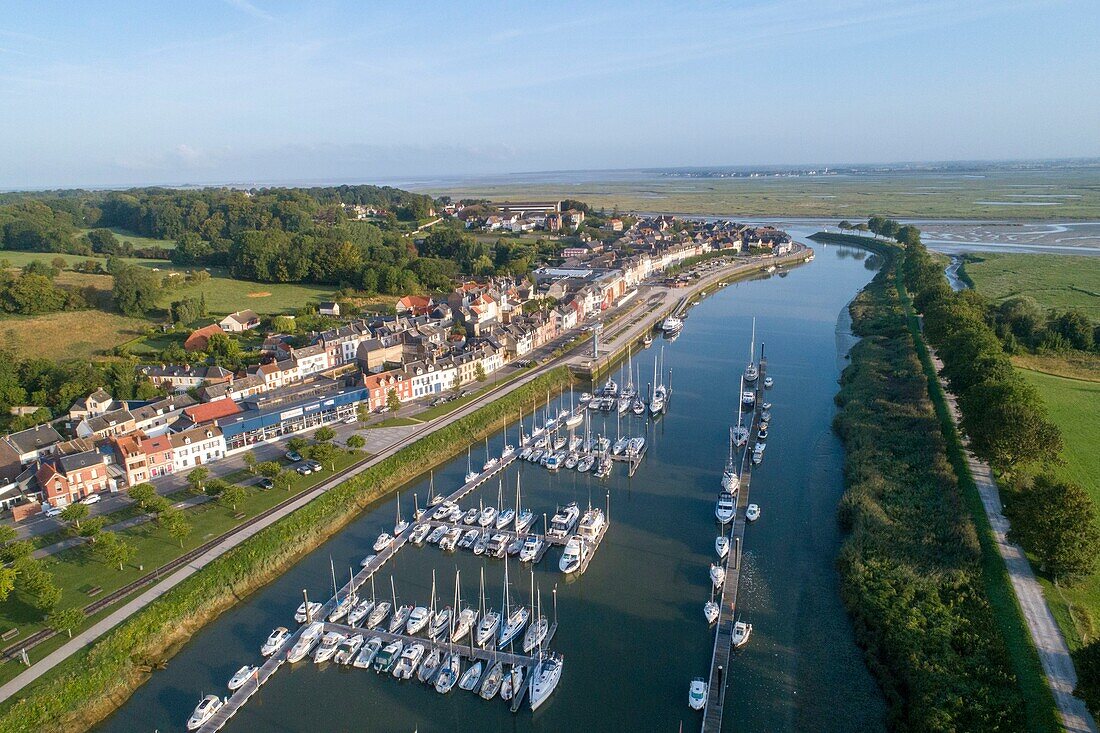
52 511
351 420
316 466
91 499
304 469
293 456
266 483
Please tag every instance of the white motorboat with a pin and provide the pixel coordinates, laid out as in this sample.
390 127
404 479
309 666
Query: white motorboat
408 662
307 611
748 398
469 538
544 678
697 694
437 534
752 513
487 516
576 550
400 618
531 547
305 642
741 632
471 515
725 508
722 546
275 641
420 533
419 617
241 676
481 544
563 521
768 382
717 575
327 647
384 540
711 611
671 325
368 653
766 416
762 433
766 406
386 659
471 676
378 615
430 666
360 612
591 524
490 683
349 647
367 560
571 461
448 674
450 539
442 511
204 711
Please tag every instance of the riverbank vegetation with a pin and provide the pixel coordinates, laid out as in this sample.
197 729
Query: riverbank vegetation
90 684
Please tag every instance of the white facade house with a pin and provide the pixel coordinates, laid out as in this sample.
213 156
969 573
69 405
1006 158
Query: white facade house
196 447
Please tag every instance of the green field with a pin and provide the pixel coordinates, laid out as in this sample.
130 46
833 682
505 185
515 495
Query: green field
140 242
86 334
1054 281
225 295
1048 193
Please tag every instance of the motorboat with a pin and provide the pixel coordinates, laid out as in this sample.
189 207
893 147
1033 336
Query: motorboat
342 607
591 524
768 382
360 612
585 398
450 540
468 539
671 325
455 514
487 516
619 446
697 694
571 461
507 452
305 642
386 659
481 544
512 682
515 546
420 533
531 547
367 560
647 340
563 521
378 614
762 433
204 711
490 684
329 642
766 416
400 618
722 546
741 632
748 398
585 464
504 518
384 540
725 508
430 666
471 676
471 515
275 641
752 513
603 469
408 662
711 611
766 406
536 455
514 624
349 647
307 611
610 388
717 575
576 550
498 545
367 654
241 676
635 446
525 453
553 463
418 619
448 674
442 511
544 678
437 534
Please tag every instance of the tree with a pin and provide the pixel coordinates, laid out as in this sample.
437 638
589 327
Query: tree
270 469
91 528
65 619
324 434
178 527
143 494
1056 521
844 225
393 402
323 452
1087 661
284 324
114 550
356 441
1007 425
8 577
297 444
74 513
7 534
284 480
136 290
479 372
197 478
231 496
31 294
1076 328
908 235
250 462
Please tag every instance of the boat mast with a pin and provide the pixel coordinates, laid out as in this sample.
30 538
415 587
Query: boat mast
431 486
393 592
516 520
332 568
433 593
752 342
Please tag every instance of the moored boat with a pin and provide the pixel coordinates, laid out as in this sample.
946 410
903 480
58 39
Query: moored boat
241 676
204 711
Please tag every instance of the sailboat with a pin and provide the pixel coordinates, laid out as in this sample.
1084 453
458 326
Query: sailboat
440 618
504 516
544 677
509 450
421 616
514 619
490 461
434 499
470 474
400 614
524 517
400 525
710 609
575 417
657 397
466 618
490 620
378 611
751 371
731 482
740 433
536 632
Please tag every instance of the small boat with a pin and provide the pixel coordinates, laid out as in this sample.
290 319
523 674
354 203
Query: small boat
450 539
360 612
722 545
717 575
504 518
349 647
400 618
241 676
306 611
752 513
515 546
585 464
697 694
305 642
525 454
762 433
487 516
524 520
204 711
711 611
442 511
536 455
420 533
440 623
418 619
400 525
544 678
408 662
490 685
430 666
275 641
367 560
481 544
471 677
571 461
471 474
448 674
564 520
748 398
766 416
471 515
378 615
437 534
327 647
386 659
585 398
725 508
576 550
368 653
384 540
741 632
766 406
469 538
671 325
768 382
455 514
647 340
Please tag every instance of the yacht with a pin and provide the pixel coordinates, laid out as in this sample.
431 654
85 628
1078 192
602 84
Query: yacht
419 617
471 515
468 539
204 711
711 611
442 511
471 474
400 525
610 389
564 520
400 618
576 550
752 513
327 647
498 545
544 678
591 524
768 382
531 547
360 612
585 464
437 534
504 518
455 515
741 632
448 674
368 653
524 520
440 623
514 624
305 642
466 620
731 482
408 662
420 533
378 615
275 641
307 611
725 508
450 539
471 677
671 325
722 546
487 629
553 463
342 607
717 575
430 666
487 516
482 543
349 647
490 685
748 398
384 540
241 676
751 371
386 659
513 681
697 695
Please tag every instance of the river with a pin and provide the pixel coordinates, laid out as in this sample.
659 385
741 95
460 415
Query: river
631 628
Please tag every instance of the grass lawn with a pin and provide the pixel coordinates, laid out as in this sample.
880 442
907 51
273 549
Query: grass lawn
86 334
1073 364
1054 281
397 422
225 295
19 259
77 570
139 242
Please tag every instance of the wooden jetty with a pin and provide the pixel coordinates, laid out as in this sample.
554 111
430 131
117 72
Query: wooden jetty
723 635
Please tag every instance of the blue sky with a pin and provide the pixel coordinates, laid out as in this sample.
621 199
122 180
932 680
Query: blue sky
116 93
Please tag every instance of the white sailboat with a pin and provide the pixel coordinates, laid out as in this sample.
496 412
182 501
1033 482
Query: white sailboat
751 371
490 461
513 619
717 575
464 622
731 482
400 525
710 609
490 620
470 473
544 678
524 517
509 450
505 516
659 394
433 498
740 434
536 632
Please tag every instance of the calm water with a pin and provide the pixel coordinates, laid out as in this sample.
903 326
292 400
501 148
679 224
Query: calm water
631 629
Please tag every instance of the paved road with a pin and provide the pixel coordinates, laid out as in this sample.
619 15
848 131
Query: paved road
1047 637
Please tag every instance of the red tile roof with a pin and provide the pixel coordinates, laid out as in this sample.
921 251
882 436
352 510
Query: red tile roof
208 411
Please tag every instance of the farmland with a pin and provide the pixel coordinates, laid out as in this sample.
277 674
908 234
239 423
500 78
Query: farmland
1055 281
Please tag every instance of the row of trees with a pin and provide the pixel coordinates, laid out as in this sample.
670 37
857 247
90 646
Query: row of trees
1022 324
880 226
33 291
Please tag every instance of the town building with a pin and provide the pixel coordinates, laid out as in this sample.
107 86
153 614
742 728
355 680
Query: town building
240 321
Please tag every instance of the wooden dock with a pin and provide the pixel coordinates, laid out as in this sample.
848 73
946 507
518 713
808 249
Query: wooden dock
723 634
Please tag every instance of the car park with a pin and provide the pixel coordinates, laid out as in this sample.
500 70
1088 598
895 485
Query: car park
293 456
304 469
316 466
266 483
